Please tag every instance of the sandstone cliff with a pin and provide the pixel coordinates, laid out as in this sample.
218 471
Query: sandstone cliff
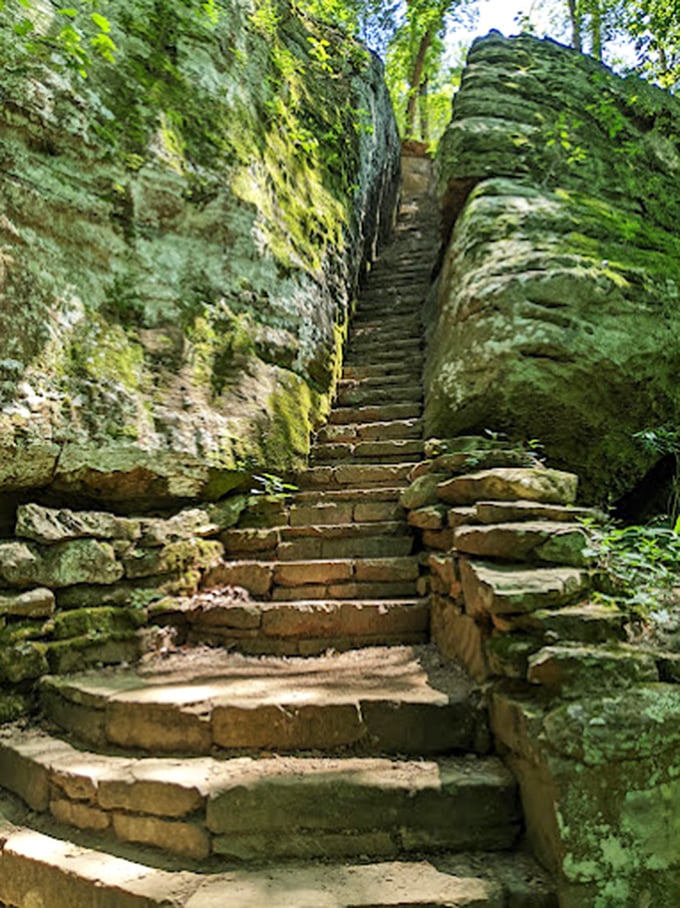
558 314
180 239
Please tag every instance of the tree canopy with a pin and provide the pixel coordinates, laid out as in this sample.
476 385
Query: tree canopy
421 41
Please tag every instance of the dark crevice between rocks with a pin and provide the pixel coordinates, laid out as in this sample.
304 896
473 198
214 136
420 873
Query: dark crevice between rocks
650 496
452 204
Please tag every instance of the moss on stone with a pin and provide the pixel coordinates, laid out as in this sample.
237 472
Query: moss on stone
97 622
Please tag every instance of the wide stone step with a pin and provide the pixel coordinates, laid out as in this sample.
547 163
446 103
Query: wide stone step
254 809
39 868
397 700
388 357
326 512
541 541
392 372
503 590
387 451
370 343
366 414
302 627
401 379
404 281
359 578
355 475
358 396
346 540
368 495
403 302
397 326
348 590
381 431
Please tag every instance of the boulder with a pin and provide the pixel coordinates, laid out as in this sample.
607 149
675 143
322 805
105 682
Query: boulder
180 251
558 313
24 564
600 790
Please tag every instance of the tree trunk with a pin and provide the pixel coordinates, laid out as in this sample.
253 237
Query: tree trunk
596 30
575 19
416 80
424 111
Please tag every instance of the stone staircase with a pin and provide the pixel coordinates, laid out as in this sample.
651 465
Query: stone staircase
318 754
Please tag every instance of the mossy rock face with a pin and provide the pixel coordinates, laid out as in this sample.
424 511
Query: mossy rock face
14 705
559 305
601 791
21 662
184 230
97 622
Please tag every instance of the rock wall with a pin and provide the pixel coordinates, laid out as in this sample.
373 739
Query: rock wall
181 236
587 722
558 314
77 588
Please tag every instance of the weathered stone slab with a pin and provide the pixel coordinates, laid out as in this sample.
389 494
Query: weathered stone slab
186 839
584 622
64 564
191 522
423 491
37 603
498 589
22 661
297 573
542 485
50 525
254 576
531 541
571 669
508 511
428 518
176 556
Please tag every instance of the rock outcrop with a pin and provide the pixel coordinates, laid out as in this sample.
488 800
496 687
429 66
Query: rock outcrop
558 311
181 237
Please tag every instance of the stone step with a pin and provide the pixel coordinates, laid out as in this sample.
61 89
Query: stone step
374 414
511 484
404 379
349 590
368 495
404 279
42 868
246 809
397 326
382 304
583 622
355 475
308 541
300 627
505 590
340 578
540 541
375 340
345 512
387 358
381 431
373 396
387 451
398 700
375 371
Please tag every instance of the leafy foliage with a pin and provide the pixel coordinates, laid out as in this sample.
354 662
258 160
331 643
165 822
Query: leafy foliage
642 564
